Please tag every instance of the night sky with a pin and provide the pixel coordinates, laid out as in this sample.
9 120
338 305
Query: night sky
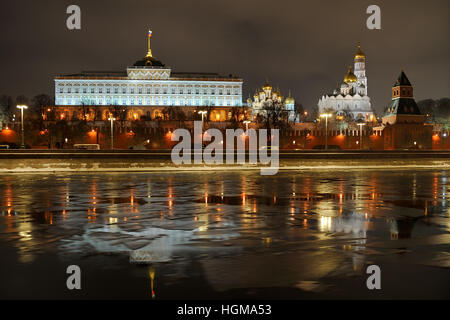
304 46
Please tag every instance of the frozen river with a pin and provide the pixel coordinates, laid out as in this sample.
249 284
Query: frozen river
226 234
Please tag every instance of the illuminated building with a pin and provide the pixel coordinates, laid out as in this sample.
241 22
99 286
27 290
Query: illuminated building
267 96
351 96
403 124
145 89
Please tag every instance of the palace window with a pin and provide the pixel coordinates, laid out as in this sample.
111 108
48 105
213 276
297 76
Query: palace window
61 90
116 90
197 91
173 90
124 90
164 90
189 91
220 92
76 90
132 101
157 90
213 91
140 101
148 90
84 90
181 90
228 92
108 90
92 90
100 90
132 90
69 90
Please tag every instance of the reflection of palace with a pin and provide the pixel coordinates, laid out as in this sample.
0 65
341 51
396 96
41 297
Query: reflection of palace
145 89
351 97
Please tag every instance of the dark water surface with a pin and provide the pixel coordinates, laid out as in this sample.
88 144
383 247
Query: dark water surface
226 235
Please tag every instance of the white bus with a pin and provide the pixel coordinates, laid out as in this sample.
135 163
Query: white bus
86 146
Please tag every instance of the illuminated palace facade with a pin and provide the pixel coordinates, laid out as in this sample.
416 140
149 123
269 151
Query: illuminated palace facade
350 98
145 90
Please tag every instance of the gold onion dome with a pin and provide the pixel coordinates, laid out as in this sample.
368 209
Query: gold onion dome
359 54
350 76
267 86
289 99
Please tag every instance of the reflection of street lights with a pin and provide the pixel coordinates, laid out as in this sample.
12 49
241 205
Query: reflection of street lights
21 107
360 134
203 114
112 131
326 115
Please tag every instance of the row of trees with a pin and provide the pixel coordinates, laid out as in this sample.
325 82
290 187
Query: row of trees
436 111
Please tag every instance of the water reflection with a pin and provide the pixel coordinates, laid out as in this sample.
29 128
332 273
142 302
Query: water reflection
169 216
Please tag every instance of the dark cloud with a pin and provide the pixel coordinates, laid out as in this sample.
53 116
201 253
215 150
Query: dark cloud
304 46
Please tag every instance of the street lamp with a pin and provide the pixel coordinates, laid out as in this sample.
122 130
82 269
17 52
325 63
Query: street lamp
112 131
360 134
21 107
246 124
326 115
203 114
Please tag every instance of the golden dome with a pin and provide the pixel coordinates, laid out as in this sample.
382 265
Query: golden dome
267 86
350 76
359 54
289 99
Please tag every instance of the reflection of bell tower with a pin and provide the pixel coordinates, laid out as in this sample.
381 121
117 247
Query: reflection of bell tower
151 273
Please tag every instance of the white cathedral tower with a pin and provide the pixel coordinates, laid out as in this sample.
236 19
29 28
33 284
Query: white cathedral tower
360 68
351 96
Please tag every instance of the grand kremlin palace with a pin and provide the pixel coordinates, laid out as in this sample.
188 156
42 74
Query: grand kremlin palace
146 89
